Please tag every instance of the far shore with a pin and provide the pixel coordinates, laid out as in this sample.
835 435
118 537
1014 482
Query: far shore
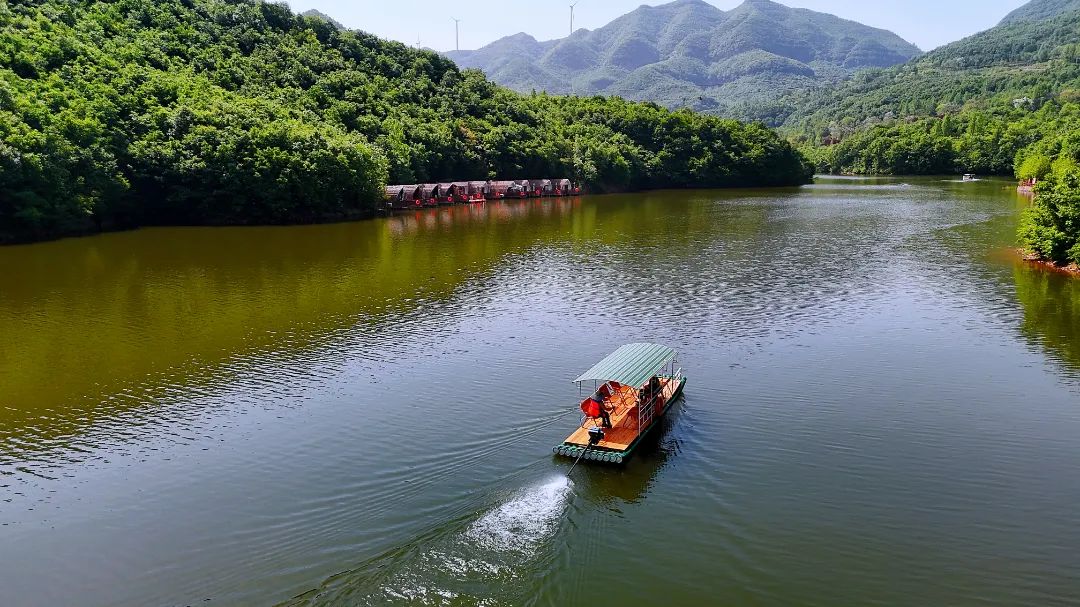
90 228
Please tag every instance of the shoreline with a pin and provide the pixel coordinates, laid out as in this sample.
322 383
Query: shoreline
90 230
1032 259
7 240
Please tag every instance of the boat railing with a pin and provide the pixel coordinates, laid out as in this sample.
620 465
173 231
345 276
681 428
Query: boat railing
646 413
647 410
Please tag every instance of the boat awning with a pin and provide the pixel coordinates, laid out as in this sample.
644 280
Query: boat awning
630 365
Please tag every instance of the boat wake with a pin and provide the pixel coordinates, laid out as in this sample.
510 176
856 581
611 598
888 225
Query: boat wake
495 553
522 524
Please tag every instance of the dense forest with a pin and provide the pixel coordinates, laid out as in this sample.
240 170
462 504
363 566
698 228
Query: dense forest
977 105
134 112
994 141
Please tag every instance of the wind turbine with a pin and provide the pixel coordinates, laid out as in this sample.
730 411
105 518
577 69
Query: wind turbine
457 37
572 5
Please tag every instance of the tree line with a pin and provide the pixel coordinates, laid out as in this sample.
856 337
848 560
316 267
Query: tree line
119 113
996 141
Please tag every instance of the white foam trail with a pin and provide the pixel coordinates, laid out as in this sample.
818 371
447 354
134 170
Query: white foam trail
499 547
522 524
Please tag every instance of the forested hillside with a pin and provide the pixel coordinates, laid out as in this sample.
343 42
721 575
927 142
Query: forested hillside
688 53
131 112
975 105
1031 59
1041 9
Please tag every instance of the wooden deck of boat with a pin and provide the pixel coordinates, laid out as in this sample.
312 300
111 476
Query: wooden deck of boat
624 419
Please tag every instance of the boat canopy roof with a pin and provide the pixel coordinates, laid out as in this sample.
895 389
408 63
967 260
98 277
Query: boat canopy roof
630 365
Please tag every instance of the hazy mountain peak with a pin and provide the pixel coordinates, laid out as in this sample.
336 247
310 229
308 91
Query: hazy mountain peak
689 52
520 37
677 4
760 4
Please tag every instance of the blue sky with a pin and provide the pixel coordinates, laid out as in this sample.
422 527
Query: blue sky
927 23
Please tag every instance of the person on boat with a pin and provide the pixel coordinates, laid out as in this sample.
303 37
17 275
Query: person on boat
654 386
657 390
602 410
595 408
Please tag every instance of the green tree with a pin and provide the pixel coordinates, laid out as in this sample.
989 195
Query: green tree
1050 228
131 112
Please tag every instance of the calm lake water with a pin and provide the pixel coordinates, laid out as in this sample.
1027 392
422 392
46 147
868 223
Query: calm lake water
883 407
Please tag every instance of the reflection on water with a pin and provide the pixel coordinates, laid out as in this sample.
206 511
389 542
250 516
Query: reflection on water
241 415
96 327
1051 303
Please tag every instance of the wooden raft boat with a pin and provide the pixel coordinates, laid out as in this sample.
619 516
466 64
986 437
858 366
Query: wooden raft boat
635 387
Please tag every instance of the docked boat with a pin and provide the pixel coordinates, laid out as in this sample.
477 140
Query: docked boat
541 188
631 391
526 188
403 197
447 193
478 191
505 189
430 194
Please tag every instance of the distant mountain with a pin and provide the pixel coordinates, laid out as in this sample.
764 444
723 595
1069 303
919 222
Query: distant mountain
1033 54
327 18
690 53
1041 9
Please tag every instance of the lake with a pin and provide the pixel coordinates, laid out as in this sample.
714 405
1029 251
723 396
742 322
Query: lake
883 406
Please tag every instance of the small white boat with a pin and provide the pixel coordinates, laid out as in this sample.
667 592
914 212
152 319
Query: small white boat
970 177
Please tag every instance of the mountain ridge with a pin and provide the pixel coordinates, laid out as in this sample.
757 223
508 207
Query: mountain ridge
1004 101
691 53
1038 10
1025 56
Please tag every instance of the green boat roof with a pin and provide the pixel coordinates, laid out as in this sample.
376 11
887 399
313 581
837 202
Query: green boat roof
630 365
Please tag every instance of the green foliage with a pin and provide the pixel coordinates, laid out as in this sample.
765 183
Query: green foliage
1025 63
897 150
1005 101
321 15
1042 9
129 112
1033 166
1050 228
